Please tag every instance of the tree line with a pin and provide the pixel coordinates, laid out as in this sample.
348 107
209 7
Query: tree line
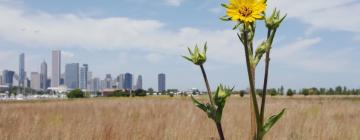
338 90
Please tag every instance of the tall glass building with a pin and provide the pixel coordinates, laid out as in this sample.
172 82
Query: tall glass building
139 82
84 76
8 77
43 76
128 81
35 80
161 82
56 68
72 75
22 74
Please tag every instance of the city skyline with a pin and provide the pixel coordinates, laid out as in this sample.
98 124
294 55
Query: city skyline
72 76
320 52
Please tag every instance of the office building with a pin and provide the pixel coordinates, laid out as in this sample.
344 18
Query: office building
139 82
72 75
43 76
161 82
128 78
56 68
22 74
89 80
35 81
95 84
121 81
83 76
108 81
8 77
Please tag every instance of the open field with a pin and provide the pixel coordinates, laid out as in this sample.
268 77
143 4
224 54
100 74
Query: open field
165 118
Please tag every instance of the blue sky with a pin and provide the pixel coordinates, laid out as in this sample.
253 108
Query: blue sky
317 45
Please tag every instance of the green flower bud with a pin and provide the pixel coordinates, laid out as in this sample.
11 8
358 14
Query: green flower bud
197 57
274 21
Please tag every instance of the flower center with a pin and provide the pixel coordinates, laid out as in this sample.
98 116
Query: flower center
245 11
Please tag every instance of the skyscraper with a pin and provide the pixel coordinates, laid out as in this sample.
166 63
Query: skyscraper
43 76
72 75
83 76
139 82
89 79
56 68
108 81
128 81
35 81
121 84
1 80
161 82
22 75
8 76
95 84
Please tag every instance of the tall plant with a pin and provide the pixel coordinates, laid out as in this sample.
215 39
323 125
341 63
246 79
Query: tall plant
214 108
245 13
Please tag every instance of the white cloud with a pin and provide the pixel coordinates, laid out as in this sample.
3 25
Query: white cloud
154 57
216 10
67 55
40 29
356 38
302 54
338 15
174 2
4 59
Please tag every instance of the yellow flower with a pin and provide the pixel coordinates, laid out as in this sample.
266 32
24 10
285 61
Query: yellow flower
246 11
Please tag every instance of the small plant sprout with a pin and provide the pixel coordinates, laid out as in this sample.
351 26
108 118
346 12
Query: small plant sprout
245 13
214 109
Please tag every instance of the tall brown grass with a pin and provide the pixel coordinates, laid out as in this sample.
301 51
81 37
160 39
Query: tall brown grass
165 118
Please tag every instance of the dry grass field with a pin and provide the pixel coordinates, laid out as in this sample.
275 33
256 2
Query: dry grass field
165 118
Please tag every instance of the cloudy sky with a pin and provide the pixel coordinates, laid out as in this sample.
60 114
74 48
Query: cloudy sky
317 45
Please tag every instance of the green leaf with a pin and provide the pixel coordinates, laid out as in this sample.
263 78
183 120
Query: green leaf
198 104
220 99
187 58
224 5
205 48
260 52
270 122
236 26
225 18
190 52
205 108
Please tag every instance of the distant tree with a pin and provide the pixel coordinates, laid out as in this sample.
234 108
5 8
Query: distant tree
242 93
273 92
259 92
322 91
119 93
151 91
331 92
140 92
77 93
282 90
314 91
290 92
338 90
305 91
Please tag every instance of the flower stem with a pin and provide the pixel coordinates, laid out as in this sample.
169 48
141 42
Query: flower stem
220 131
251 73
207 84
218 124
270 36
